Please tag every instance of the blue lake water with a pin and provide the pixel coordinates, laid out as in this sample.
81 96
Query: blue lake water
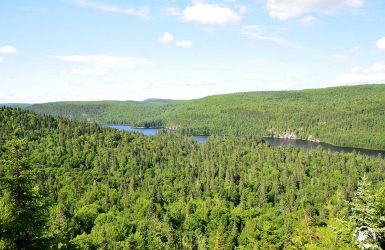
145 131
149 131
274 142
201 138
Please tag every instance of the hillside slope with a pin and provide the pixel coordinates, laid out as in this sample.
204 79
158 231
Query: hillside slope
346 116
89 187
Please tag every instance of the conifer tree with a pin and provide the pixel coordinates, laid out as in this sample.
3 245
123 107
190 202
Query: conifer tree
21 207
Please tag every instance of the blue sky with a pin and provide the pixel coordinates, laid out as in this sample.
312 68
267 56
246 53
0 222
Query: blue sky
57 50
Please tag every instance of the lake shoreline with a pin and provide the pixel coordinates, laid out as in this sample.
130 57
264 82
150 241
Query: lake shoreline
306 144
274 141
324 142
126 124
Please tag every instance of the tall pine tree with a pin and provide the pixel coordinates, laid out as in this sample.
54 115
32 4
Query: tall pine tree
21 206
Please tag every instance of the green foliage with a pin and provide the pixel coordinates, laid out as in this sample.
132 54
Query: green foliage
363 206
21 207
380 215
345 116
367 210
118 190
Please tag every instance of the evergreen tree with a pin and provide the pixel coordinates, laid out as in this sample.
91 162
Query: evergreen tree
363 207
364 215
21 207
119 190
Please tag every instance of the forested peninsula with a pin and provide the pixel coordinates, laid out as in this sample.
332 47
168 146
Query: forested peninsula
351 116
75 185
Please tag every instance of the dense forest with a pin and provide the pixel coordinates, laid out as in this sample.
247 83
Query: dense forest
75 185
345 116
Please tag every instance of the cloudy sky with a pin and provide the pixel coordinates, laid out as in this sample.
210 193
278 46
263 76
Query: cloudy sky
53 50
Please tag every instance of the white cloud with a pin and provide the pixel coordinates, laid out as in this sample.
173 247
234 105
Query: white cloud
131 11
183 43
258 32
166 37
210 14
172 11
308 21
103 61
242 9
263 33
286 9
1 60
8 49
375 74
347 53
381 44
87 72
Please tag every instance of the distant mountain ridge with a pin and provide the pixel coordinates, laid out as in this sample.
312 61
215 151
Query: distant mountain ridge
345 116
15 105
158 100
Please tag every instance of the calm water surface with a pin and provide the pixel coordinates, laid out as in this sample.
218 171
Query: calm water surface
149 131
274 142
145 131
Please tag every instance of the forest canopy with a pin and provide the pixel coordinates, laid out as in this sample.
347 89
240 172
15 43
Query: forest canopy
83 186
345 116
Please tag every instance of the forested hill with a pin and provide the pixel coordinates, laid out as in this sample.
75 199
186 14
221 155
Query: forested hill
73 185
15 105
345 116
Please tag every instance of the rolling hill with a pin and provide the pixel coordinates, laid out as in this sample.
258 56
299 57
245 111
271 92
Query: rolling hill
345 116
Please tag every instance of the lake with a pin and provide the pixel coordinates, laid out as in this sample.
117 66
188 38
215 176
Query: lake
145 131
149 131
274 142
